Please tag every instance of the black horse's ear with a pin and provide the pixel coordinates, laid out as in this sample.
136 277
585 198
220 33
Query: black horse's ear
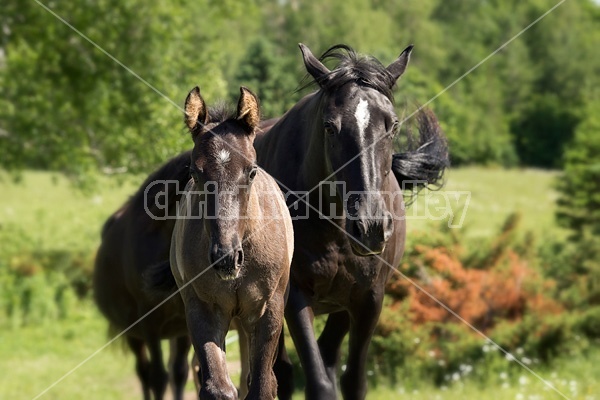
314 67
195 109
248 110
398 67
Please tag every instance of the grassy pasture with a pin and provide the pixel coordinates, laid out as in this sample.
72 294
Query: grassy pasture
49 213
55 215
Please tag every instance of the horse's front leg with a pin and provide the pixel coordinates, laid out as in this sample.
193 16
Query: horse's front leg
208 328
264 339
330 341
299 317
364 317
284 370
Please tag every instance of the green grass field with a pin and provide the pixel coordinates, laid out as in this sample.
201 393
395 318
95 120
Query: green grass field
494 194
33 358
57 216
54 215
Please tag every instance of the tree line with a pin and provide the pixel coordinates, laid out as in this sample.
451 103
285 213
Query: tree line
65 105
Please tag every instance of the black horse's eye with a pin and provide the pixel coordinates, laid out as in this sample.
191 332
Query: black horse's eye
329 130
252 174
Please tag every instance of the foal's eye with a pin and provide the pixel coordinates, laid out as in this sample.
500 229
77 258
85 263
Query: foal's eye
394 129
252 174
194 175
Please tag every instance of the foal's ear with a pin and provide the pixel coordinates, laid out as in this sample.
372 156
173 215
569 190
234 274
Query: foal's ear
314 67
195 109
398 67
248 110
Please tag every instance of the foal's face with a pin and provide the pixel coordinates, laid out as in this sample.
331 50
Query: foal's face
223 166
358 123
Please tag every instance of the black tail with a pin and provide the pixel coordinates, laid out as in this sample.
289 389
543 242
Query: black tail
423 164
159 280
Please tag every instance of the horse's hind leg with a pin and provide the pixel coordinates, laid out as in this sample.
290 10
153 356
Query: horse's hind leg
330 342
178 364
159 377
142 365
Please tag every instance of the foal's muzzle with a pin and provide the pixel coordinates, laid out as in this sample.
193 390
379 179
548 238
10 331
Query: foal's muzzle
226 261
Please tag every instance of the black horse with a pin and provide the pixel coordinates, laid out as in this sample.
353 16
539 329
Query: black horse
132 242
336 144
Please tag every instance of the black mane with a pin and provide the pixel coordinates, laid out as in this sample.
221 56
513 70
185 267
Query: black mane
353 67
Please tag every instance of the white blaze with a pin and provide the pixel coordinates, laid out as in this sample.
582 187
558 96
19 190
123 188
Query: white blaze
362 116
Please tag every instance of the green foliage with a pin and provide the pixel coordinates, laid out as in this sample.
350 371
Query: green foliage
576 264
38 286
264 70
538 303
560 91
64 105
67 106
579 204
543 130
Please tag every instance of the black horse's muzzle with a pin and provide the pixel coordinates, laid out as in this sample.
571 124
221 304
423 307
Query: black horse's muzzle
369 235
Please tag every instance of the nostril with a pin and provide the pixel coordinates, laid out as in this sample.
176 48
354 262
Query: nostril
239 258
388 226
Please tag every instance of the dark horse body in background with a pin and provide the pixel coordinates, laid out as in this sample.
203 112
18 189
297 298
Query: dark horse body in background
343 133
132 242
